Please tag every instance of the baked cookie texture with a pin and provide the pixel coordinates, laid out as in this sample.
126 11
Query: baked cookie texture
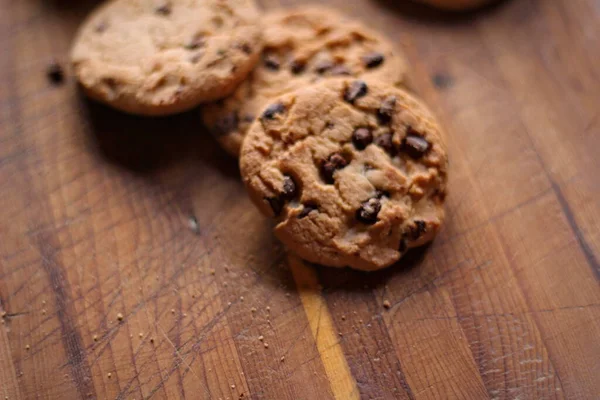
159 57
354 172
457 5
303 46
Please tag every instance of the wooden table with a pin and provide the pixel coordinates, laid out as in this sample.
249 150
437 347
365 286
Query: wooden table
132 264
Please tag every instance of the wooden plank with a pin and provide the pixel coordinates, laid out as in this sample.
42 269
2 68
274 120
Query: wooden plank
566 311
9 387
564 102
364 336
423 326
29 270
323 331
559 113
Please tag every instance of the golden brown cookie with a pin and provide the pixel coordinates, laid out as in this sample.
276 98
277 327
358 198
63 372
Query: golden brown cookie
456 5
353 172
303 46
158 57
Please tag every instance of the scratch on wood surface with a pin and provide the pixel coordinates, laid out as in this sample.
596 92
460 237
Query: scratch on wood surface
71 338
189 367
588 252
336 367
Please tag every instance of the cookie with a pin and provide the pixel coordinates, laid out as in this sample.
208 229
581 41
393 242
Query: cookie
303 46
354 173
457 5
159 57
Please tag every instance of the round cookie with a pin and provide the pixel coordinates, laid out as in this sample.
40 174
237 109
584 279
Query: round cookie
302 46
159 57
354 173
456 5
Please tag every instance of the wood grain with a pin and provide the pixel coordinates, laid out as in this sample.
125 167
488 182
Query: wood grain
132 264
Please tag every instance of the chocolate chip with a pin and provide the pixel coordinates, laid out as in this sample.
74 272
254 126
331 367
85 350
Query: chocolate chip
272 110
55 73
439 194
385 142
414 144
271 62
334 162
386 109
403 246
288 192
323 66
163 9
308 208
226 124
340 70
361 138
368 211
418 229
356 90
297 66
195 42
373 60
289 188
276 204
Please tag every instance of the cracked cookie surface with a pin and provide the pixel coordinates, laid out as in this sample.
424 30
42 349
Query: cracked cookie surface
159 57
354 172
302 46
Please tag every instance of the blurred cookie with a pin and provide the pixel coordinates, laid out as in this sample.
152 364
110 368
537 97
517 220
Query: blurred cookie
354 173
158 57
303 46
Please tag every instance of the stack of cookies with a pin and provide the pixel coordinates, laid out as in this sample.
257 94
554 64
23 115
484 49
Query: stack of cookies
352 167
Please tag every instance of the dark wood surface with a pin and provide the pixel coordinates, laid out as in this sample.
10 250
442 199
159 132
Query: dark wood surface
132 264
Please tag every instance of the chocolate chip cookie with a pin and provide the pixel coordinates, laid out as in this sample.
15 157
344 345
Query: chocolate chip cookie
303 46
158 57
353 171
